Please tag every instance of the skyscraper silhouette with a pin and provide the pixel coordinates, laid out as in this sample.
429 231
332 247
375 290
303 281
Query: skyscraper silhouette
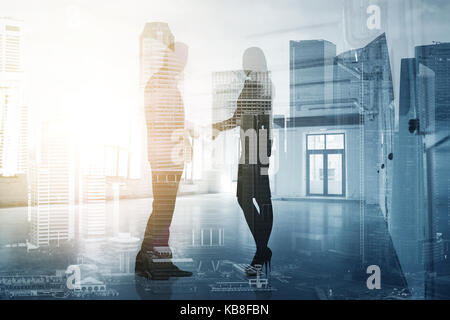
13 112
51 192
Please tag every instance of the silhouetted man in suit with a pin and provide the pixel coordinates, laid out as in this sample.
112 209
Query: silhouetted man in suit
164 112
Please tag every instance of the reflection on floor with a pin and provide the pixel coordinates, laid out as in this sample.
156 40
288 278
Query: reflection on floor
318 253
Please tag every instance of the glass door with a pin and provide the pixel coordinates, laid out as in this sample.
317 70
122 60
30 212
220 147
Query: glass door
316 174
325 165
335 174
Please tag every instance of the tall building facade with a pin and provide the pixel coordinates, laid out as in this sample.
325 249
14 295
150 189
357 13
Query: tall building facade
125 247
155 42
375 91
93 206
13 113
52 194
420 223
311 74
227 90
437 58
163 106
226 87
436 121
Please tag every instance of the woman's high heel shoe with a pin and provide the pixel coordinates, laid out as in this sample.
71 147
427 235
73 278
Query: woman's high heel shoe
261 258
267 259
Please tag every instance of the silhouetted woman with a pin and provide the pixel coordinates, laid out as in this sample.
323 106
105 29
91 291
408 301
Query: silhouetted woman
254 117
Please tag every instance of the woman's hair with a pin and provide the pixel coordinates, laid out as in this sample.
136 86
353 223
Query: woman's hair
254 60
255 67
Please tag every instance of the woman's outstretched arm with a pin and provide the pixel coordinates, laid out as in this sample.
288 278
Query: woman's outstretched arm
228 124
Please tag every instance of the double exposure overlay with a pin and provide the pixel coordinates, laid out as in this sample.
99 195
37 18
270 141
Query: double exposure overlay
208 150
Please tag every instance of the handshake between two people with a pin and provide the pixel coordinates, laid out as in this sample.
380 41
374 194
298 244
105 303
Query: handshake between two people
257 140
208 132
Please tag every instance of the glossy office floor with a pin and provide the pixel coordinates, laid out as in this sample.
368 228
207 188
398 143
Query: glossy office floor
320 251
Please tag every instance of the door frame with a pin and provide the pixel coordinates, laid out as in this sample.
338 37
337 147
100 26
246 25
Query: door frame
325 154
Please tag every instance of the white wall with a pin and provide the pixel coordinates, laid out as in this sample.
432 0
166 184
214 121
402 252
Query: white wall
290 178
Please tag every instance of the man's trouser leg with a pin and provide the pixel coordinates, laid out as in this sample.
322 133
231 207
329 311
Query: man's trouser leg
165 188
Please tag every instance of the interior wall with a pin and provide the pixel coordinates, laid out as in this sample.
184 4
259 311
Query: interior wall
289 180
